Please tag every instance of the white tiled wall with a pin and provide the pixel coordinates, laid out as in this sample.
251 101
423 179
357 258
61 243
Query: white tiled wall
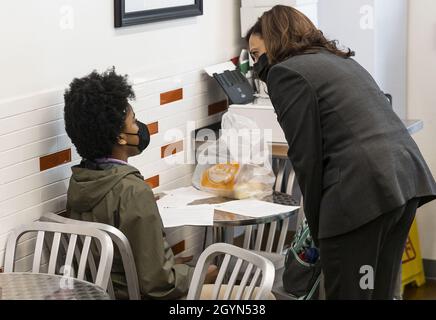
32 127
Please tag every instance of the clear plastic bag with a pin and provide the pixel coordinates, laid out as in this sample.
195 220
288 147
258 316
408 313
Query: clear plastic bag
238 164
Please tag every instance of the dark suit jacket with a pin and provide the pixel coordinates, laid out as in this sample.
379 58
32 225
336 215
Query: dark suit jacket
353 156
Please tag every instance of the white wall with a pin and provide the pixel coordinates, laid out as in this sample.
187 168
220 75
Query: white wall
391 38
422 102
340 20
47 43
377 31
41 55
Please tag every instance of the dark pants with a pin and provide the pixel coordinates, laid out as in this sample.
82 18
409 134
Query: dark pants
364 264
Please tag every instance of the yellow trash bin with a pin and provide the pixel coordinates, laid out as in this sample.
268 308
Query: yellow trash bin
412 266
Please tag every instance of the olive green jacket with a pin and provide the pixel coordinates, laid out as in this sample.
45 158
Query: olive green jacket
117 195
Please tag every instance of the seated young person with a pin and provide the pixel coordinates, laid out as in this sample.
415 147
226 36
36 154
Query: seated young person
105 188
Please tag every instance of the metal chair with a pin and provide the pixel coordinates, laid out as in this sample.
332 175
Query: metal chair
121 243
76 233
285 182
256 284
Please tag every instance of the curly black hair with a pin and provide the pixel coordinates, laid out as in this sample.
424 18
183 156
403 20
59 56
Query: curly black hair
95 110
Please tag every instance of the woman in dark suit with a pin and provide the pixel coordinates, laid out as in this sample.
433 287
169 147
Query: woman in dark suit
361 174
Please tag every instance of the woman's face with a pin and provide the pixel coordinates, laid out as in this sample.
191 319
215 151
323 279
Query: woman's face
130 126
257 47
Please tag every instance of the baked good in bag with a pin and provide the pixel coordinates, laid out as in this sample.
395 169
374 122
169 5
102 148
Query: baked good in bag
220 177
232 180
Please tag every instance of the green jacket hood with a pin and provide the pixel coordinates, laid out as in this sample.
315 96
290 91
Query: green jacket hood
88 187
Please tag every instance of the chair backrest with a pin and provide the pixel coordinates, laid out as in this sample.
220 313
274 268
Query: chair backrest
256 283
80 240
120 241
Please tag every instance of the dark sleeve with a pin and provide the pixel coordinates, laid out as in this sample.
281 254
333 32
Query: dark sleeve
297 111
159 277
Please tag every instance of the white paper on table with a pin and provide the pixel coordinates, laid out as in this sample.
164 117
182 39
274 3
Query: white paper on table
201 215
190 192
172 202
255 208
182 197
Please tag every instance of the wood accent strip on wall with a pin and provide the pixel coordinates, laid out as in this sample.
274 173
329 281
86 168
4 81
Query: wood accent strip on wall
153 182
178 248
153 128
280 151
171 149
54 160
171 96
218 107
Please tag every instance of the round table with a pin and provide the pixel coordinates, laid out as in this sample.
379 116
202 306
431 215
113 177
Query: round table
224 220
37 286
227 219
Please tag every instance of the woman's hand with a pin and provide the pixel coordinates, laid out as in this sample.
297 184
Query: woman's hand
211 275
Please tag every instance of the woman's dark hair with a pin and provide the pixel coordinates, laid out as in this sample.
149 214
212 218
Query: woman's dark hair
95 110
288 32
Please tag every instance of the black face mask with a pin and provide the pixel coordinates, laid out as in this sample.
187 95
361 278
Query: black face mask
144 137
262 67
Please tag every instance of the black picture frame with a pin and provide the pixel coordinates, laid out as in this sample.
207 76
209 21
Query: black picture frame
123 19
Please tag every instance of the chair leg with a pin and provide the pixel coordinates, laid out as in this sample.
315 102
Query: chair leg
228 235
322 295
398 295
205 238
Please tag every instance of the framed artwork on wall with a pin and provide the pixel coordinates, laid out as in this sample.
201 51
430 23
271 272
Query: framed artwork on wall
134 12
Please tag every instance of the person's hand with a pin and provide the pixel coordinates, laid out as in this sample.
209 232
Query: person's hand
184 260
211 275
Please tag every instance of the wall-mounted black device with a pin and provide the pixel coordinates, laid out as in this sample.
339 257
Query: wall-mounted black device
236 86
